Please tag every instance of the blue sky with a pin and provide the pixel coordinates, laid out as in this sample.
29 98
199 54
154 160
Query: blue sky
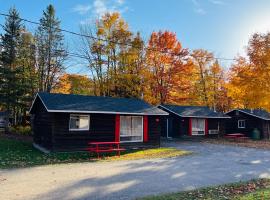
220 26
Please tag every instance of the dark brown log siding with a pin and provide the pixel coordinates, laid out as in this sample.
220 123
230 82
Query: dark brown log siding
42 125
179 126
251 122
102 128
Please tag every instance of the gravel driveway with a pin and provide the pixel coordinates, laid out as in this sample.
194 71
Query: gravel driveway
211 164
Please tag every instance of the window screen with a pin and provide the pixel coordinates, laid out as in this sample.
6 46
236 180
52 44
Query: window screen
79 122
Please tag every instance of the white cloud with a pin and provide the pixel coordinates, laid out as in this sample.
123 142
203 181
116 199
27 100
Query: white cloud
217 2
120 2
99 8
103 6
200 11
198 8
82 9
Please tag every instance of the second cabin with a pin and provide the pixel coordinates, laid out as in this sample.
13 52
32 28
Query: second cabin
192 121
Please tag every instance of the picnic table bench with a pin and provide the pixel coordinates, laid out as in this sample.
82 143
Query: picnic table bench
236 136
103 147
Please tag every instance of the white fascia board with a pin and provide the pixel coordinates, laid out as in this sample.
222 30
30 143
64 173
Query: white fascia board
102 112
247 114
195 116
35 101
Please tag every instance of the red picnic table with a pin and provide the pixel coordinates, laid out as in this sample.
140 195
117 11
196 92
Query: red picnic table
99 147
236 136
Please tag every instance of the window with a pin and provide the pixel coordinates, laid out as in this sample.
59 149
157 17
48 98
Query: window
198 126
241 124
131 128
79 122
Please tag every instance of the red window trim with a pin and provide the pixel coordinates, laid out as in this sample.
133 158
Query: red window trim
145 128
117 128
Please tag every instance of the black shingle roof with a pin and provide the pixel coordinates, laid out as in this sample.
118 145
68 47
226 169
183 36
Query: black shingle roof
193 111
260 113
96 104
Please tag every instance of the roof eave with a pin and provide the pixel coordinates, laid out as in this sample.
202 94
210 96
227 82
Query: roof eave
267 119
37 95
106 112
208 117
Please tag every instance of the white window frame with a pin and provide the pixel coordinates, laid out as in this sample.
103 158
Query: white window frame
241 120
129 136
196 132
79 129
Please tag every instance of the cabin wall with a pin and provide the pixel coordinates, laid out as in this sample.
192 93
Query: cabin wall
102 128
41 122
179 126
250 122
217 124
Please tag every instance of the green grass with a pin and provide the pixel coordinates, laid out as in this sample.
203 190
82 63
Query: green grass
263 194
14 153
250 190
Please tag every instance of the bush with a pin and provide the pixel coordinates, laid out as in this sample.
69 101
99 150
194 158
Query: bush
21 130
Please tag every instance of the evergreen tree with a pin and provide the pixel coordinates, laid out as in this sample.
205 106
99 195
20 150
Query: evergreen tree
9 70
50 49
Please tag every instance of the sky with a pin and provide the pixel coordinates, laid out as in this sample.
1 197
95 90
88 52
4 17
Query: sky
219 26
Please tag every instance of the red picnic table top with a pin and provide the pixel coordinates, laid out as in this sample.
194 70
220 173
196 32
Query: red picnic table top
97 143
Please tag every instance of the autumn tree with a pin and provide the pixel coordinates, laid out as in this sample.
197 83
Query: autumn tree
249 77
202 61
74 84
165 61
114 57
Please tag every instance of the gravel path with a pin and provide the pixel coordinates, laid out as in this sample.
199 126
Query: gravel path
211 164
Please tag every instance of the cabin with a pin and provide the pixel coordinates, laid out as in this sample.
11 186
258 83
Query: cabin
246 120
66 122
192 121
4 121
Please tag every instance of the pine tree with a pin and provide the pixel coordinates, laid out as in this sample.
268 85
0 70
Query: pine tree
50 49
9 70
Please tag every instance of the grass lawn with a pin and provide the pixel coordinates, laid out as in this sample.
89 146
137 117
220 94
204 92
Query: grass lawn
251 190
14 153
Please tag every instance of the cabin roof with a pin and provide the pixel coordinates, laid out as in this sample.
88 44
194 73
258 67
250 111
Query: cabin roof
259 113
95 104
193 111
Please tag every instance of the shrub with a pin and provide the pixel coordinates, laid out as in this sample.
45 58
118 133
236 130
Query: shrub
21 130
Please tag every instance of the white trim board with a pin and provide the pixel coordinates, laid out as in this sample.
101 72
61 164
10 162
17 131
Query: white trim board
247 114
98 112
205 117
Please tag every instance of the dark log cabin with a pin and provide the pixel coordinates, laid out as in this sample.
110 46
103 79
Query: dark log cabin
62 122
246 120
192 121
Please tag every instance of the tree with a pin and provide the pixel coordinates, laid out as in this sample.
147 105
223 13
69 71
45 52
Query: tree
165 62
27 79
9 68
202 60
51 52
217 93
74 84
249 77
114 58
